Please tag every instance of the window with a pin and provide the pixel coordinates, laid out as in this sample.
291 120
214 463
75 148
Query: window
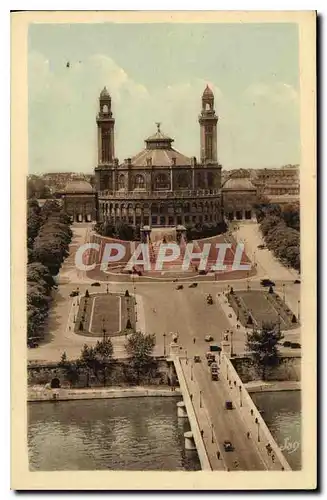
162 182
139 182
121 182
154 220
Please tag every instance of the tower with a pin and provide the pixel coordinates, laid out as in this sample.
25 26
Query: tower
106 125
208 128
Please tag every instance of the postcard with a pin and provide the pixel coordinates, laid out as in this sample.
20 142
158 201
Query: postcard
163 250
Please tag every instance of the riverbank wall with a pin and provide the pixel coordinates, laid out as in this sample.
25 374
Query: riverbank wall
261 386
119 373
42 393
287 369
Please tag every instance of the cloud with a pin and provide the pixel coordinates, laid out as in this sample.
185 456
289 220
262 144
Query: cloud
278 92
63 103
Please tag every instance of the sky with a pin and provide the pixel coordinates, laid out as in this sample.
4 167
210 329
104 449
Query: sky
157 73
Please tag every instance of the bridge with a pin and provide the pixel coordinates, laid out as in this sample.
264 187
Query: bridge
254 448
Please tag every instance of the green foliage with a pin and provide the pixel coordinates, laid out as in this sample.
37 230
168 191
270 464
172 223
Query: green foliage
139 348
37 188
96 360
70 368
262 345
198 231
282 239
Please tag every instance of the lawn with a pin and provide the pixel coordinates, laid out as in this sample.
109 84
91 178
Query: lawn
263 307
104 311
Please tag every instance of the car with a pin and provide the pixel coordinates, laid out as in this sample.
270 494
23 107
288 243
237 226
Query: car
267 282
96 283
74 293
229 405
179 287
261 247
297 282
228 446
209 299
197 359
208 338
193 285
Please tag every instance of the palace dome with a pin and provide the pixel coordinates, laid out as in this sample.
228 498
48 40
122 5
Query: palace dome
159 153
238 184
78 186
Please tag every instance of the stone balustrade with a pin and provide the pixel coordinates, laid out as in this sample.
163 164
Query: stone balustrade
140 195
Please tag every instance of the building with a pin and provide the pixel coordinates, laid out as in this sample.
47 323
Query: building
159 186
239 196
79 201
272 182
162 187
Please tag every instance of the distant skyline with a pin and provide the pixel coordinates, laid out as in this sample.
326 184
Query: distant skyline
157 73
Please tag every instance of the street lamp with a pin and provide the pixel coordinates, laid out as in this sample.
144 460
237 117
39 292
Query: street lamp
283 291
212 439
298 311
248 281
258 424
191 370
200 399
240 388
164 337
231 343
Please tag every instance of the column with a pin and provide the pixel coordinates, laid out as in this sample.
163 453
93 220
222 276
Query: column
171 179
189 441
181 410
193 179
243 214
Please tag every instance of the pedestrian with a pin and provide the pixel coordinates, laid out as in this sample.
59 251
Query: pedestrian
194 340
202 432
248 435
69 328
218 455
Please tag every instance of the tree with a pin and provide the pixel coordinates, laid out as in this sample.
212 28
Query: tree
88 362
70 368
103 353
139 348
262 345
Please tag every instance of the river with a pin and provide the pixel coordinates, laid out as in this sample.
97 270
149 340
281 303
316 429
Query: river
138 433
116 434
282 414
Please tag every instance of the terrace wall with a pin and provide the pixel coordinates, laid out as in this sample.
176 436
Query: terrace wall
289 368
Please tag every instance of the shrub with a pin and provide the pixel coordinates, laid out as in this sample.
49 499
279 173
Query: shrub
287 343
80 326
87 294
126 293
294 320
128 324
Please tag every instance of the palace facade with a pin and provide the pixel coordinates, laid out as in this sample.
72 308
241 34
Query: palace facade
159 186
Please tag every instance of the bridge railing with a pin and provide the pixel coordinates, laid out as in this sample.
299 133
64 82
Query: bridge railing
257 426
203 457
